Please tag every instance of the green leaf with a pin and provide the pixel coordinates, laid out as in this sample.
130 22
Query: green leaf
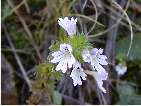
47 75
57 98
122 48
125 89
56 46
127 95
130 100
44 70
6 12
139 1
79 43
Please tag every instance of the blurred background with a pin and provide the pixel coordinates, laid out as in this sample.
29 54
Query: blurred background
29 27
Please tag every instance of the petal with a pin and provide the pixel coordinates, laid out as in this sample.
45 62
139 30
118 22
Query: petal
99 68
86 55
83 76
74 21
94 51
102 61
102 88
55 54
102 56
103 76
71 61
86 58
100 83
59 66
75 65
72 74
64 67
69 47
86 52
61 22
65 46
99 79
79 82
66 19
57 59
76 78
74 83
100 51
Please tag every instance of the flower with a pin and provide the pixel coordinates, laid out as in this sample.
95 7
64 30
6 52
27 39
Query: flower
121 69
68 25
77 73
99 77
63 57
95 58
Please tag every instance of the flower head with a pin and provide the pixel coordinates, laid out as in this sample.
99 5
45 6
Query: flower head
121 69
68 25
63 57
95 58
99 77
77 73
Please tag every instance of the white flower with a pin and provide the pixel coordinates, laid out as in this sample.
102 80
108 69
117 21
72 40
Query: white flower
77 73
121 69
64 57
68 25
99 77
95 58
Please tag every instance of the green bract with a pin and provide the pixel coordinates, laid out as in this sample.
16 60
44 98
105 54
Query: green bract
78 43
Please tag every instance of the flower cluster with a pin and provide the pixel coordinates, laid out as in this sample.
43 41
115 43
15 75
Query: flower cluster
65 57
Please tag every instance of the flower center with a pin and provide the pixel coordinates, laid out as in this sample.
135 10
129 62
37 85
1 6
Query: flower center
67 54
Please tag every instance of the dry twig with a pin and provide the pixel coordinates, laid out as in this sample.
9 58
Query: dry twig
27 30
23 71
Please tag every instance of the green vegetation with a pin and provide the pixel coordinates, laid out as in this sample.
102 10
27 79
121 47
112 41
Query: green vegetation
31 27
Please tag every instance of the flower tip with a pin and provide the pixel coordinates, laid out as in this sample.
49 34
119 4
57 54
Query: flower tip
76 20
100 51
59 19
68 24
104 91
63 71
